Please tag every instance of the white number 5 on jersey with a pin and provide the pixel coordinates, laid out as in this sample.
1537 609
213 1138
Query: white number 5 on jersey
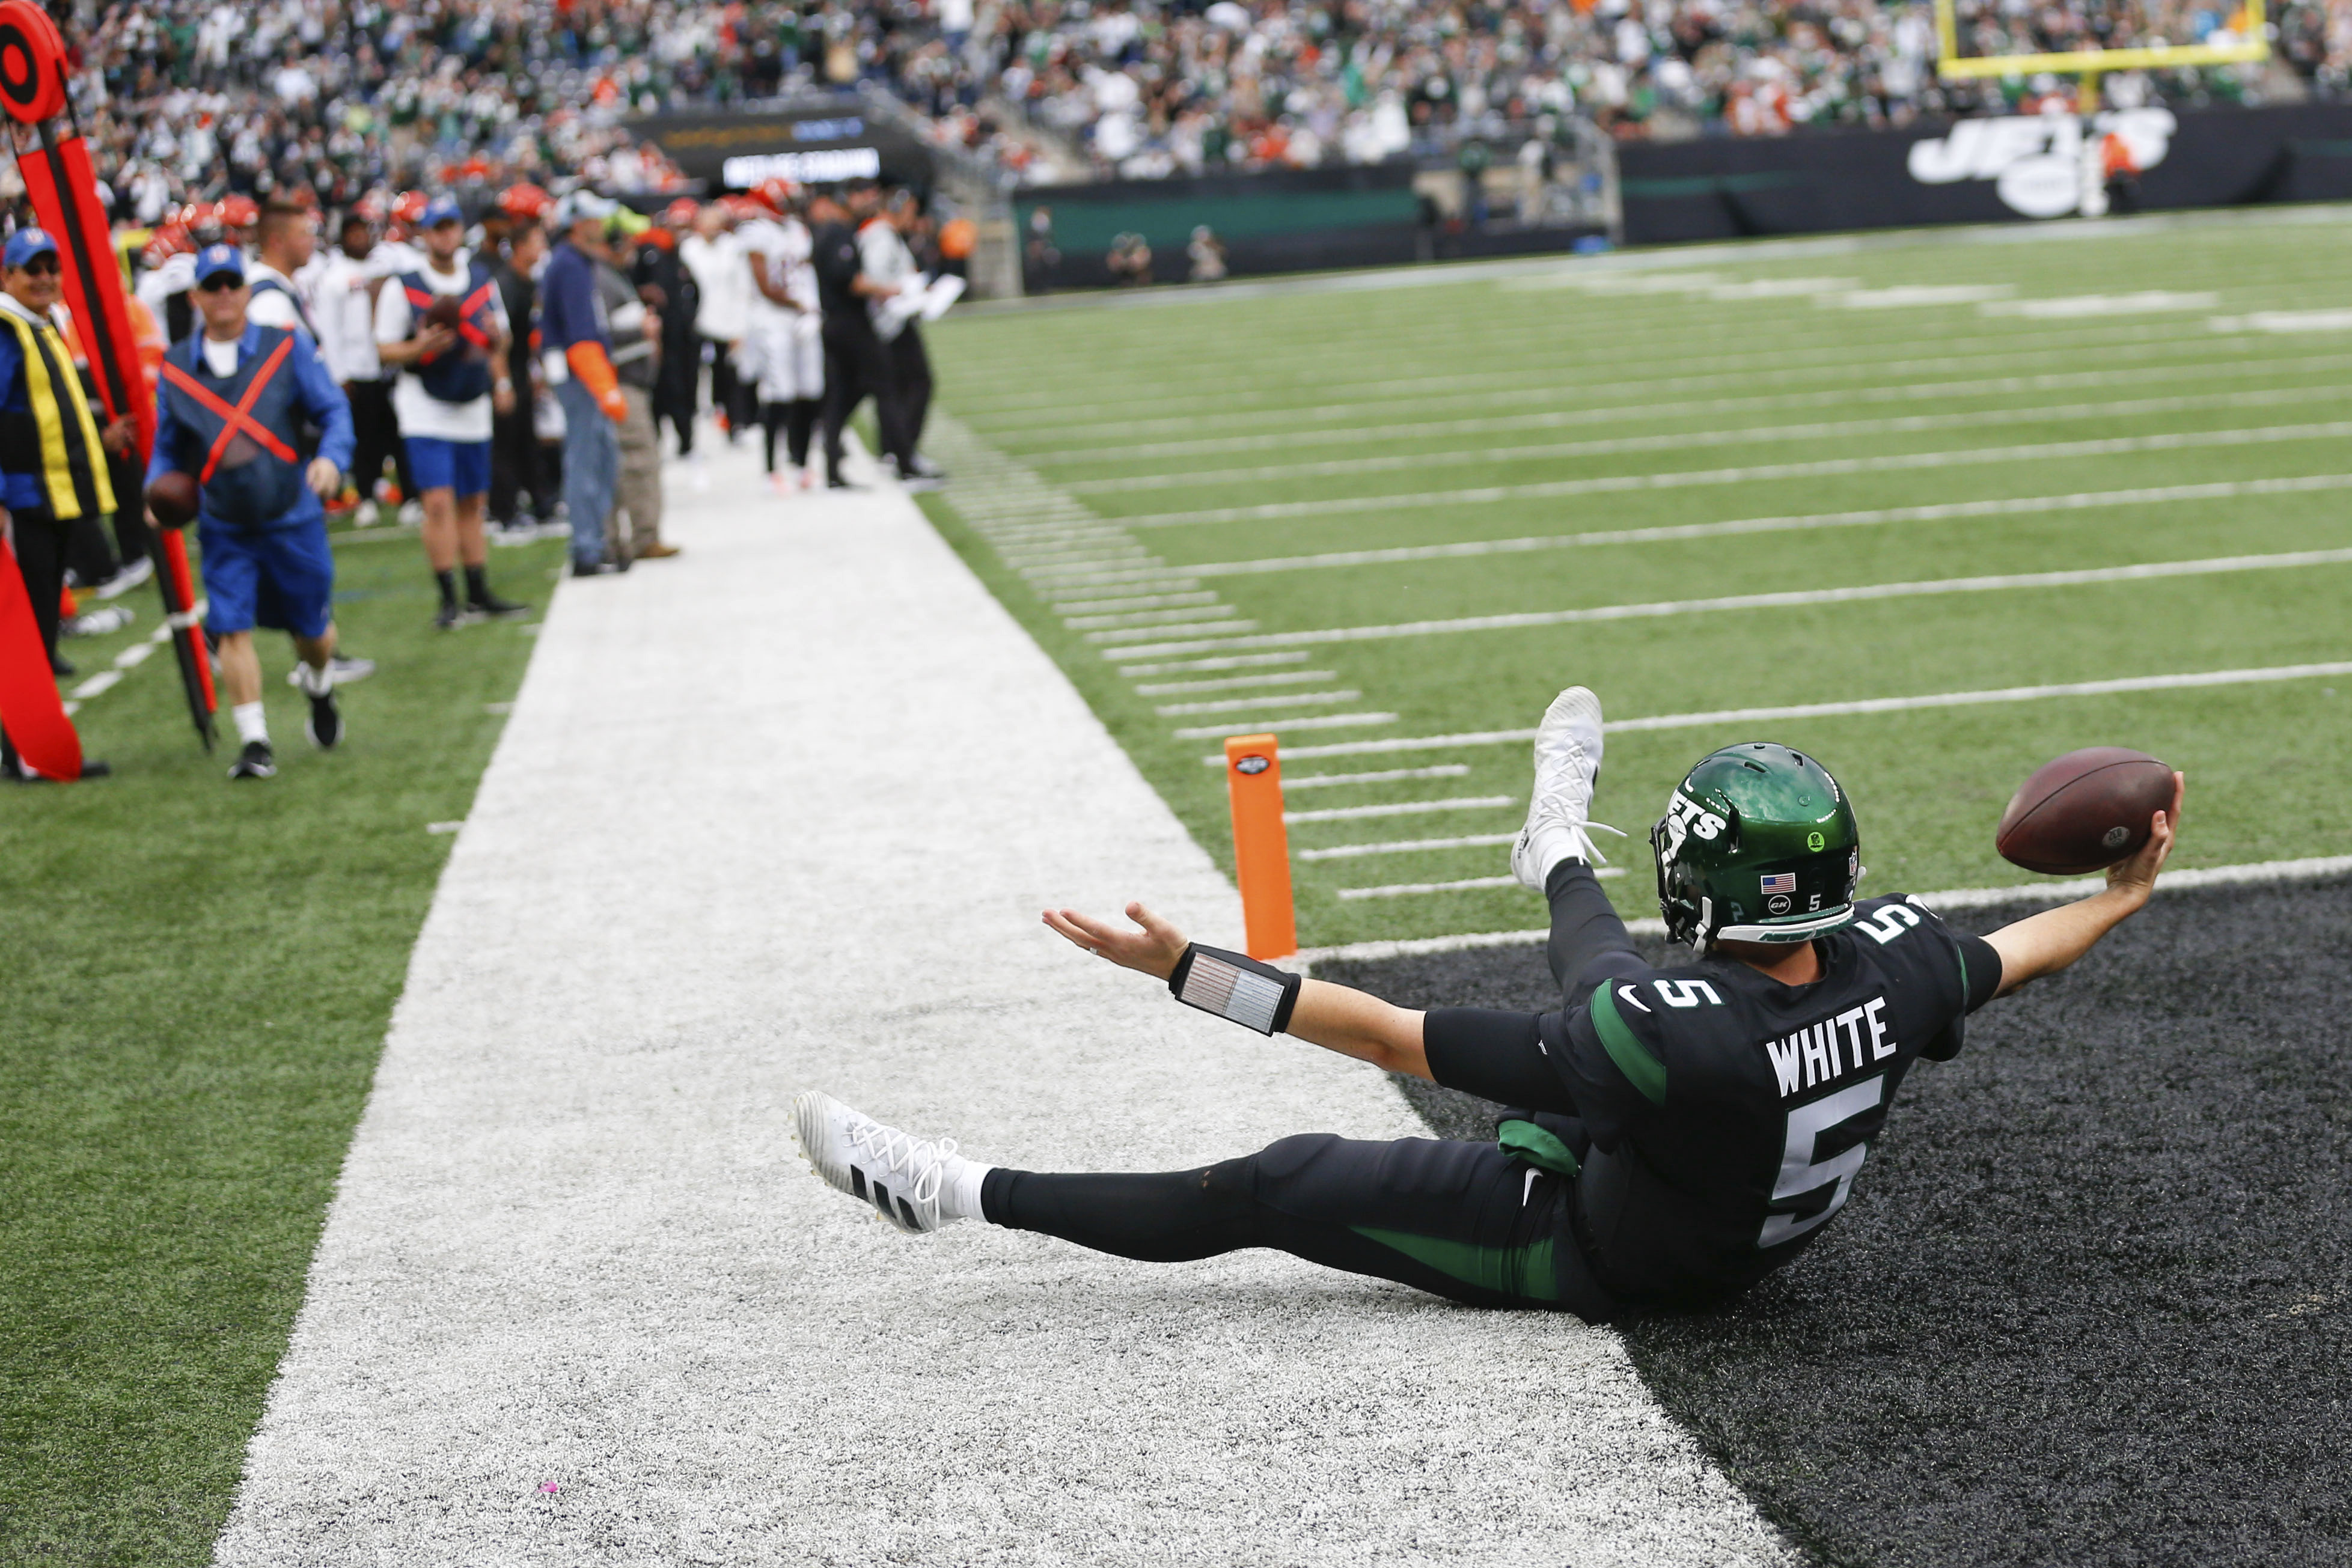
1800 1175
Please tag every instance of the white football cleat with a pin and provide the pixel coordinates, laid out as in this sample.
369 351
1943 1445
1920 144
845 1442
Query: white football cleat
1568 766
901 1175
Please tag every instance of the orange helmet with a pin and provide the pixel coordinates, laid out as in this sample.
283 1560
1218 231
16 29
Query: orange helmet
202 220
775 194
167 242
682 212
372 207
238 212
409 208
525 202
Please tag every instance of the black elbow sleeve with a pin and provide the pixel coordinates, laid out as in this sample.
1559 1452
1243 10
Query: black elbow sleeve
1233 985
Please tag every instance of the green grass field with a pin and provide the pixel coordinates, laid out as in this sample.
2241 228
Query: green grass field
199 978
1178 495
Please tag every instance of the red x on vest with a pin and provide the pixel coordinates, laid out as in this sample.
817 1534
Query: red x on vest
421 300
238 416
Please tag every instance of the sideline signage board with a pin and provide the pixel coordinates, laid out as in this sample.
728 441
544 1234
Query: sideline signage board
819 144
2003 168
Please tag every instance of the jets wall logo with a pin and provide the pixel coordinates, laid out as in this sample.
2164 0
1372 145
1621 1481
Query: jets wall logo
2040 164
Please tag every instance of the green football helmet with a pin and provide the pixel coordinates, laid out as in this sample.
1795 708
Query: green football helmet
1757 845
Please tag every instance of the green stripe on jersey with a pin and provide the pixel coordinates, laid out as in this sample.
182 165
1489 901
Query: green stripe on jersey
1641 1070
1526 1273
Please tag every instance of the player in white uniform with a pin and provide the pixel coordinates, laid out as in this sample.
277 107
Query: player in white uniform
784 341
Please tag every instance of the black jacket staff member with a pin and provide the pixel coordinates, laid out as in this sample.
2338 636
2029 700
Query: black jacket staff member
856 362
52 453
230 412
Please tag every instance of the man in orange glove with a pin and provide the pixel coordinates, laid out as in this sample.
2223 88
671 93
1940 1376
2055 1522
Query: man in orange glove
577 343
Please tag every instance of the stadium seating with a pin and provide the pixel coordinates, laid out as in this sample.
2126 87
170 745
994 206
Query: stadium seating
201 95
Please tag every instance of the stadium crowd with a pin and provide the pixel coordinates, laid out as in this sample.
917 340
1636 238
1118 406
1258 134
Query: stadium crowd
201 97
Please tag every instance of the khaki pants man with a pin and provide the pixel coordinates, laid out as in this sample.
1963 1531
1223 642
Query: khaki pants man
633 529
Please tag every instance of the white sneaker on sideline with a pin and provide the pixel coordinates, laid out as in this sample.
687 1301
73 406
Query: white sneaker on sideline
901 1175
1568 766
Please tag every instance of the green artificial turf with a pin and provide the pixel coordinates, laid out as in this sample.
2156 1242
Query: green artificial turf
1248 432
199 977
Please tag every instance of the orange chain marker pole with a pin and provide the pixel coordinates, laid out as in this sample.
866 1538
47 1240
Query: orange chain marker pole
1261 845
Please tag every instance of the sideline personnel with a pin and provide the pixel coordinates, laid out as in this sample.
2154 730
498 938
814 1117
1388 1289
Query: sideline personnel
578 349
53 468
230 412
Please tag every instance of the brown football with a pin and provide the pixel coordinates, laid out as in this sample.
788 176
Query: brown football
445 311
172 498
2085 811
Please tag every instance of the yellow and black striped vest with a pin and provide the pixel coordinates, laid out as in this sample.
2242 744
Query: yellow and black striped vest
54 438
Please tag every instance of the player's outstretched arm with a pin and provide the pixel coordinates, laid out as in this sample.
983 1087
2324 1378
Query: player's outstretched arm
1336 1017
2046 943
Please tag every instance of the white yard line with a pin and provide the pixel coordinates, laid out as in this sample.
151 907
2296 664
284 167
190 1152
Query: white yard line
1266 700
1750 715
1691 440
1403 808
1469 883
1766 356
1617 411
1255 725
1889 463
1944 511
570 1245
1562 383
1405 847
1857 594
1386 776
2049 891
1236 682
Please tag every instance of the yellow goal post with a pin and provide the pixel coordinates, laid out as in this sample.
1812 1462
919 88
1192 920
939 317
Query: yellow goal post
2253 43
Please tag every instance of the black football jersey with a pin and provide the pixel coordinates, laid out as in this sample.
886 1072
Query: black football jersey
1730 1114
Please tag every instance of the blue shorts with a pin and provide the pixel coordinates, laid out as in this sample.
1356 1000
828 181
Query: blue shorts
283 579
460 465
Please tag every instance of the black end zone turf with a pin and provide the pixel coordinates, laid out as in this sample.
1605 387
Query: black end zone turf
2092 1299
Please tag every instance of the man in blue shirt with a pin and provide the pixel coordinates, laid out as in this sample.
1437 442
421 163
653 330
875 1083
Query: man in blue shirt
231 412
577 340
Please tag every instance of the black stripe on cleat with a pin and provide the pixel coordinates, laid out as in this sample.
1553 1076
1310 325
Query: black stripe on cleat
858 1181
909 1210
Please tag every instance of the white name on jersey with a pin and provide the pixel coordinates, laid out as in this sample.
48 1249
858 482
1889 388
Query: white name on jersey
1818 1053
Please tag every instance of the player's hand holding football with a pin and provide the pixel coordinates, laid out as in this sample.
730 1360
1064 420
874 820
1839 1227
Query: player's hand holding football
2136 877
1153 948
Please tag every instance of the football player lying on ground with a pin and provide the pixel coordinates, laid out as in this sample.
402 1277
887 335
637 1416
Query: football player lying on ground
1685 1132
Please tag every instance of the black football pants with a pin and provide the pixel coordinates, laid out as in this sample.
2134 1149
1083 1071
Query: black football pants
1467 1221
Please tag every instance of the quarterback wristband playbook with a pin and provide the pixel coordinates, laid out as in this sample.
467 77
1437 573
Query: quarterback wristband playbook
1253 995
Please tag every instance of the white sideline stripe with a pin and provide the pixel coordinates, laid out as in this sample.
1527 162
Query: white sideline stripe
102 681
2108 446
1238 661
2216 565
1231 683
1402 809
569 1241
2253 873
1386 776
1256 725
1243 704
2219 490
137 653
1617 412
1840 709
1678 441
2146 301
1407 846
